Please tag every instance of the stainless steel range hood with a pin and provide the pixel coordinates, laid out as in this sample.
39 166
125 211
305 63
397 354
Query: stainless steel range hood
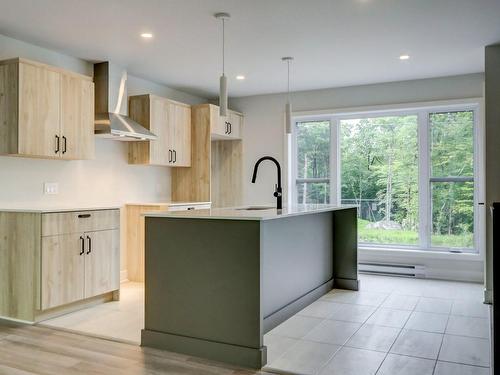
111 106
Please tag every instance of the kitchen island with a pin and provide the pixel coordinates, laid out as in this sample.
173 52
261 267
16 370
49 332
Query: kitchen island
217 280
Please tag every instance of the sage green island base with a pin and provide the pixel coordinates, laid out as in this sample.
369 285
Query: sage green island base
217 280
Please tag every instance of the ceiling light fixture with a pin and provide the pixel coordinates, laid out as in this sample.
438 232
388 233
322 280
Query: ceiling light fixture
404 57
223 79
240 77
288 106
147 35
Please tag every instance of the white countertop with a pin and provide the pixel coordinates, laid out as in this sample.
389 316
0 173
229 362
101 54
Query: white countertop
236 213
33 208
167 203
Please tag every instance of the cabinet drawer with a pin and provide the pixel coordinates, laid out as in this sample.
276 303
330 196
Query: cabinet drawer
79 221
187 207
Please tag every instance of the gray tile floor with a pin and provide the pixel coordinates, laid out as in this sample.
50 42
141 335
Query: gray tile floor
391 326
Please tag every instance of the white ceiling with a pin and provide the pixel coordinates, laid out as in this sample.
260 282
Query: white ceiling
334 42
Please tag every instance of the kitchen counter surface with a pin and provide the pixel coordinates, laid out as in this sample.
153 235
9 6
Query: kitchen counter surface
53 208
166 203
240 213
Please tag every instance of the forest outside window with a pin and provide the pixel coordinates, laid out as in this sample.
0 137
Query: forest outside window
313 161
411 173
379 174
452 178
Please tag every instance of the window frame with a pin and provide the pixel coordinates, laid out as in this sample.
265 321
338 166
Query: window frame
422 111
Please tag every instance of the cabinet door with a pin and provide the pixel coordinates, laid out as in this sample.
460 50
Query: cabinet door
62 274
102 262
182 136
217 123
77 118
171 133
158 149
39 111
235 120
8 108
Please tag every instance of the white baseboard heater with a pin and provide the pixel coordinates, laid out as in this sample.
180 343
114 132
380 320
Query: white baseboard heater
404 270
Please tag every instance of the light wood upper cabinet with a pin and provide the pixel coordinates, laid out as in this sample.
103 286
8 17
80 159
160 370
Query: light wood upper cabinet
170 121
101 260
235 122
216 160
77 118
225 127
39 111
45 112
182 136
63 270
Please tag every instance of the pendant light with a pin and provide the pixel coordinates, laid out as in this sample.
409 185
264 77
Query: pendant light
288 106
223 79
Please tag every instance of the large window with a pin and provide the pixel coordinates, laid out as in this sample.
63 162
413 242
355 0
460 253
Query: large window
411 173
379 174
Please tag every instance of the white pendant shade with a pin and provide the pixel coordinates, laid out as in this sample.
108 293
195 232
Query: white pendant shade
288 106
223 96
288 118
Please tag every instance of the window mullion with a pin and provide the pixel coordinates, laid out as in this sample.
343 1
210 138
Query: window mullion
424 198
335 169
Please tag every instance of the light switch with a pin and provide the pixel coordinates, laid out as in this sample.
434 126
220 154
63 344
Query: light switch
51 188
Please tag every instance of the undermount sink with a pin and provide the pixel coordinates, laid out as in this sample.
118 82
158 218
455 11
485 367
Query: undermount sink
255 208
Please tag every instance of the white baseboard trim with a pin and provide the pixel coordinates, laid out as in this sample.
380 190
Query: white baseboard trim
123 276
444 269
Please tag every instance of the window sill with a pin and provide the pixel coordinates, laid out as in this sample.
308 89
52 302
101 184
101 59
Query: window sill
419 253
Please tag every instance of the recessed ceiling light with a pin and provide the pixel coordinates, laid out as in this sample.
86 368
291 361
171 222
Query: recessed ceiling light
240 77
404 57
147 35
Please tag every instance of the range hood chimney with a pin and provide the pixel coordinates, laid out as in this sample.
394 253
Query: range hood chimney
111 106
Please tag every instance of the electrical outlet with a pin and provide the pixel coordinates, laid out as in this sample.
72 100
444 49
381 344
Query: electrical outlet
51 188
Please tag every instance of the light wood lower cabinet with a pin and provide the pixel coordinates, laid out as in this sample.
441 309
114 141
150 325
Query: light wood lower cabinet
78 266
63 270
48 262
101 259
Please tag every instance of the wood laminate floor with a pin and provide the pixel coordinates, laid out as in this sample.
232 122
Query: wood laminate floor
30 350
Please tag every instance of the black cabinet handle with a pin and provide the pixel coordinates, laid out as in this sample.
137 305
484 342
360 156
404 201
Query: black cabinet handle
90 245
57 144
227 128
175 156
84 216
230 128
169 156
82 241
65 141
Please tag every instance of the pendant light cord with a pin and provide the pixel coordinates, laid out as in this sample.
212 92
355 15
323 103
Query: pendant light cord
288 87
223 43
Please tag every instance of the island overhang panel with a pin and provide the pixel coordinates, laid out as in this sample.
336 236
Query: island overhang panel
215 285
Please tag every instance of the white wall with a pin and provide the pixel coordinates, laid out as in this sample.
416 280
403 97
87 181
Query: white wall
107 180
263 134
